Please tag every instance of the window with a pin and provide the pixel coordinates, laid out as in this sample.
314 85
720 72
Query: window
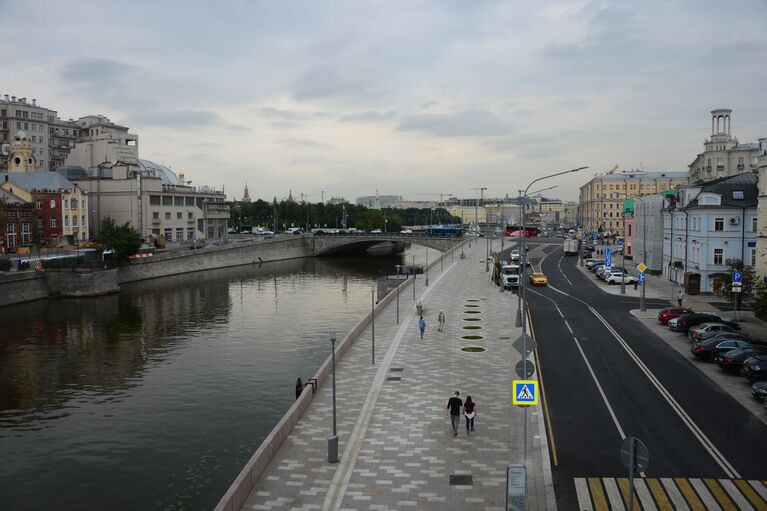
74 204
178 201
168 234
26 228
190 201
179 233
190 216
66 203
53 204
737 194
82 220
39 205
74 220
753 224
179 215
718 224
39 223
156 215
753 257
154 200
190 234
167 200
10 229
66 221
53 222
167 216
718 256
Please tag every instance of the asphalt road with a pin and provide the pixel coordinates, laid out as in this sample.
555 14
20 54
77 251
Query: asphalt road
604 385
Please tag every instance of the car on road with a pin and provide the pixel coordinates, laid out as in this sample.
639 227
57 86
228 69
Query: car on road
708 350
539 279
376 231
672 312
755 368
560 235
691 319
616 277
704 328
406 231
733 360
759 390
514 256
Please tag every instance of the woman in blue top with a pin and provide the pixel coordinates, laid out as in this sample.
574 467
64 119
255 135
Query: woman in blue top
422 326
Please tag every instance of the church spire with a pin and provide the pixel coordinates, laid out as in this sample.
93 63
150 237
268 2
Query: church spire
246 195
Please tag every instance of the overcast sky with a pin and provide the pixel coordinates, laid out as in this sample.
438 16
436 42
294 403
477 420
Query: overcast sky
411 97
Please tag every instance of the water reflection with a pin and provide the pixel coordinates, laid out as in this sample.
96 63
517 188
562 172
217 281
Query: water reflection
155 397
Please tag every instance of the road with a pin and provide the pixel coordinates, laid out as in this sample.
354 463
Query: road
606 377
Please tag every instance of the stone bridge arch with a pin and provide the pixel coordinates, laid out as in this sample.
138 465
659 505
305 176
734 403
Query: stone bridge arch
328 244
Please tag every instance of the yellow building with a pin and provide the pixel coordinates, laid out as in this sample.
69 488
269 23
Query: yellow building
600 204
761 222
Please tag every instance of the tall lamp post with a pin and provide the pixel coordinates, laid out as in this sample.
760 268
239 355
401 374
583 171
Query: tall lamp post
398 283
522 282
333 439
642 304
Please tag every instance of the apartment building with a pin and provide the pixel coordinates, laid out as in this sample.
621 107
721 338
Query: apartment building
761 240
601 200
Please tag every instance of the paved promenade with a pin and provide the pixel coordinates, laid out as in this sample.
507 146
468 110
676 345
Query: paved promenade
396 446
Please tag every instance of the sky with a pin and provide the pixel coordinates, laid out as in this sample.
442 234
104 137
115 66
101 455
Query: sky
415 98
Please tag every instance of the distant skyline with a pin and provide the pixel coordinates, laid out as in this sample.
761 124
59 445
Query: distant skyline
409 98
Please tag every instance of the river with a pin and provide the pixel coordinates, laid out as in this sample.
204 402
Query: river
155 398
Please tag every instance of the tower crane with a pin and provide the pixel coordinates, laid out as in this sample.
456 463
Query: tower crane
612 170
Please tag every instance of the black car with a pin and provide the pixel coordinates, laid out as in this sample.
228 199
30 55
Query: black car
691 319
709 349
722 335
733 360
755 368
759 390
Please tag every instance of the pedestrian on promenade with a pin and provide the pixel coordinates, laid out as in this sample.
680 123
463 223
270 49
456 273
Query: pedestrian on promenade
469 411
454 404
421 326
636 284
441 321
680 297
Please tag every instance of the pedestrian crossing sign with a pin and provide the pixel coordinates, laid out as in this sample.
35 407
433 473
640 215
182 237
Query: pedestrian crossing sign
525 392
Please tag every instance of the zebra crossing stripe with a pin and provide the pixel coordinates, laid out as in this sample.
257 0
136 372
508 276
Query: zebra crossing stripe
720 495
760 488
613 494
674 494
751 495
737 497
597 494
705 495
644 495
582 491
623 483
689 493
660 496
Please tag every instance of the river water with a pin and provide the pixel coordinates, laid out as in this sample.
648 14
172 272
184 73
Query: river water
154 398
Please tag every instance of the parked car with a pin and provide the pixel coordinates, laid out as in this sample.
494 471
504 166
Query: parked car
672 312
672 323
722 334
708 327
617 277
605 272
538 279
755 368
691 319
376 231
707 350
759 390
594 262
733 360
406 231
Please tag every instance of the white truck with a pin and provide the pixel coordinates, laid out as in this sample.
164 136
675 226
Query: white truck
510 275
571 246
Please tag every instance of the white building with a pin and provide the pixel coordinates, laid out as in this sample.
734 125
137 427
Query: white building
379 201
648 231
710 224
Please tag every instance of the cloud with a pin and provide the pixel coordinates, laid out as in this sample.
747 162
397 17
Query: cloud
300 143
369 116
330 81
107 81
176 118
466 123
291 115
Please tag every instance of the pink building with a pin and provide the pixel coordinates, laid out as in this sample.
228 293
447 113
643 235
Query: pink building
629 241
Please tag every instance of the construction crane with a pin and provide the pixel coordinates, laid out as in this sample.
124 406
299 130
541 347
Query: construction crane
441 195
612 170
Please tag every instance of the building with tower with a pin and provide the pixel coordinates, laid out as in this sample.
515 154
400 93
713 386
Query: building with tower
246 195
722 154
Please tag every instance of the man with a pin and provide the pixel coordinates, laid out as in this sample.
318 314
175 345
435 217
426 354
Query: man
454 404
680 297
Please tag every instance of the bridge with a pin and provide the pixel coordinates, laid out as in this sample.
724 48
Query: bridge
327 244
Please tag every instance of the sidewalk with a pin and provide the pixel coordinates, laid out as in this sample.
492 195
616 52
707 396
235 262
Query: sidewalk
396 446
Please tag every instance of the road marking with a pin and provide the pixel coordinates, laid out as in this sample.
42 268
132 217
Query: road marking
660 496
582 491
623 484
705 495
337 489
728 469
689 493
568 327
559 267
760 489
720 495
600 503
547 415
674 494
740 501
613 494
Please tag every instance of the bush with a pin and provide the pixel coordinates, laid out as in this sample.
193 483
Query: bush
5 264
759 305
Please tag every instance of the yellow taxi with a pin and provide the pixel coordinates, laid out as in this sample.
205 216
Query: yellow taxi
539 279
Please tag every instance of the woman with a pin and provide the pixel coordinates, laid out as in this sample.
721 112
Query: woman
421 326
469 411
440 321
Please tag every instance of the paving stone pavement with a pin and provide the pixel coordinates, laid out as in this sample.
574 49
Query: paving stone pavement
396 445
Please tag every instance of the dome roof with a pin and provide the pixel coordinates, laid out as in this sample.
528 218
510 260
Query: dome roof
168 176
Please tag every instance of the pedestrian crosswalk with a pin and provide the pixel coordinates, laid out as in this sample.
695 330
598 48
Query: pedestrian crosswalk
669 494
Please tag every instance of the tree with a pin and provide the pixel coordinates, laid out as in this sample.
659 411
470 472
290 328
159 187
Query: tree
759 305
123 239
723 285
369 220
395 223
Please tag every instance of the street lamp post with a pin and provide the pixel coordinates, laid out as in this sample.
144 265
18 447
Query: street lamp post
426 283
398 283
522 196
642 304
413 278
373 324
333 439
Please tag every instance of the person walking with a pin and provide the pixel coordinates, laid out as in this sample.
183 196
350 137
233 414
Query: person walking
680 297
454 405
469 411
441 321
422 326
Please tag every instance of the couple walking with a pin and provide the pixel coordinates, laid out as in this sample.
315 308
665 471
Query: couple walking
440 323
454 406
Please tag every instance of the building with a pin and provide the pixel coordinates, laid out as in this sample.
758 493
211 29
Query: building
17 222
246 195
723 155
647 245
336 201
761 223
600 203
706 226
379 201
101 141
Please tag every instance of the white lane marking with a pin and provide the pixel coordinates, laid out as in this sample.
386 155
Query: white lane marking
648 504
531 290
708 500
679 502
568 327
736 496
728 469
337 490
613 494
584 497
559 267
760 488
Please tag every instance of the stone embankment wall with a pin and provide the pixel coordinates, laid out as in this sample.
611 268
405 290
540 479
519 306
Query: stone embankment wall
77 284
209 258
22 287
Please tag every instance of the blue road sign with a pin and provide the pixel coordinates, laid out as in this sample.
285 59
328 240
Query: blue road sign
641 277
608 258
596 236
620 243
737 276
525 392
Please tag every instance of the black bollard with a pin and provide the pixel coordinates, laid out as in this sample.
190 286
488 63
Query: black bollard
299 387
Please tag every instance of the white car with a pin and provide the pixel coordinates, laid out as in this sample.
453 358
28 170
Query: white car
514 255
617 277
376 231
406 231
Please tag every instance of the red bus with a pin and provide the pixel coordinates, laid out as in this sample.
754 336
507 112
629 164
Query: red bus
530 231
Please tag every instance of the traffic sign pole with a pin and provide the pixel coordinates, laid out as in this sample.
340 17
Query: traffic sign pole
642 304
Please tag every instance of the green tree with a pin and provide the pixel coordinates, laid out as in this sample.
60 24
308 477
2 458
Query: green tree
369 220
723 285
395 223
759 304
123 239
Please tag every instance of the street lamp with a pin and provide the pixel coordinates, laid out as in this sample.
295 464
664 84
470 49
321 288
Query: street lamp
333 439
373 323
413 277
523 195
426 283
398 283
642 304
